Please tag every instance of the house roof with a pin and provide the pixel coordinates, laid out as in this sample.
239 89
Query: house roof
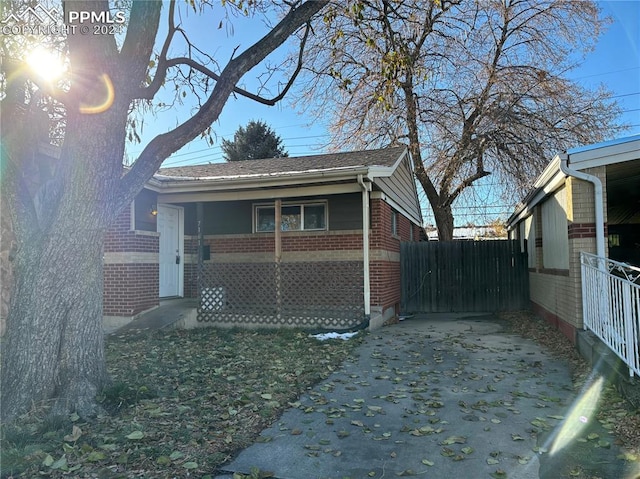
336 162
389 170
607 153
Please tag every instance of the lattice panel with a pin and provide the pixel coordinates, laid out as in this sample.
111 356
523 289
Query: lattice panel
313 294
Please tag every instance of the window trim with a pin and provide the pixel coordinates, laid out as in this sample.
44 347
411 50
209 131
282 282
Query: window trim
395 223
302 205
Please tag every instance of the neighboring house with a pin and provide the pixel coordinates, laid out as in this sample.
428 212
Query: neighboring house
209 232
564 215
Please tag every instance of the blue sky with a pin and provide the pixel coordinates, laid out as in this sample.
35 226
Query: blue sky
615 62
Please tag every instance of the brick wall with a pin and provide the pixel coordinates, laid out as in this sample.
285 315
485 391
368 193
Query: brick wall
385 255
131 270
130 288
557 295
322 246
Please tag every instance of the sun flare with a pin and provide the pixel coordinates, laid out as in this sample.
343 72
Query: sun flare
46 64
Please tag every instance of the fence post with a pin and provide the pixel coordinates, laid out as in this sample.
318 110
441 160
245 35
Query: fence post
627 318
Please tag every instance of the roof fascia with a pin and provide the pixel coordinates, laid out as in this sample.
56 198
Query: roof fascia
605 153
386 171
549 181
257 194
257 181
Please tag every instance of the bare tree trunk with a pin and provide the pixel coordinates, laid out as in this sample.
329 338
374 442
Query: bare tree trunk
53 349
444 222
54 342
442 212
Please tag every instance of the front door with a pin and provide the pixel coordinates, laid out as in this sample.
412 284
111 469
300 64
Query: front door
170 229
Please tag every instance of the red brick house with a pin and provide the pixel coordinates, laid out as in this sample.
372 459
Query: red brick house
208 232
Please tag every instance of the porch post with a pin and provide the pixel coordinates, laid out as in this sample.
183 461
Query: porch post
200 268
277 231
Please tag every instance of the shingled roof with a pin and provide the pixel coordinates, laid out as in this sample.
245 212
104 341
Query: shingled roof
384 157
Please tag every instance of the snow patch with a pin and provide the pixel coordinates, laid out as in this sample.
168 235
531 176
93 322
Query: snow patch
325 336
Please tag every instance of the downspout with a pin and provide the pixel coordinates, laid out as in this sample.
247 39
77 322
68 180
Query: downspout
603 300
366 188
599 203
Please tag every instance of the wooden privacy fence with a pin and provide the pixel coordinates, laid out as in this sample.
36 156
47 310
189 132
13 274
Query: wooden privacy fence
459 276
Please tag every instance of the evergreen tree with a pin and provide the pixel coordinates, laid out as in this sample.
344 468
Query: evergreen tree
256 140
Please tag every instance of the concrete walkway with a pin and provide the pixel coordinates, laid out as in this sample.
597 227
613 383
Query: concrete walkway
165 316
438 397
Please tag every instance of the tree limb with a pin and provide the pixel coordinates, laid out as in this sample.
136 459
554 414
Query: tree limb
138 44
161 69
165 144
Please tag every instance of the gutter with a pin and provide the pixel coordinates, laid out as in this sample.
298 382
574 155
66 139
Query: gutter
366 188
599 204
166 184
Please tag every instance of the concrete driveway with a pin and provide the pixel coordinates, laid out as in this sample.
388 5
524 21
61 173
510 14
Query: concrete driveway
439 396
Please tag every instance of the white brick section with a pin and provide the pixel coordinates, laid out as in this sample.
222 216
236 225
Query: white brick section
131 258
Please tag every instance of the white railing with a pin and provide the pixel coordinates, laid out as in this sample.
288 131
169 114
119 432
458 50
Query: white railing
611 306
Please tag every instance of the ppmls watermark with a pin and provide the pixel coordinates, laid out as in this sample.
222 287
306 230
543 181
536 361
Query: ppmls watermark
39 20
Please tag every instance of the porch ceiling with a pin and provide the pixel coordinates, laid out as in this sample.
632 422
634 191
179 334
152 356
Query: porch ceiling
623 192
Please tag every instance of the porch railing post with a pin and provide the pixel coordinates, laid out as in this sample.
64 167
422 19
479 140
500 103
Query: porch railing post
278 255
200 268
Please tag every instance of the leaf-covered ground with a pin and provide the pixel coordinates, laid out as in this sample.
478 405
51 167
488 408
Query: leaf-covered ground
181 403
615 414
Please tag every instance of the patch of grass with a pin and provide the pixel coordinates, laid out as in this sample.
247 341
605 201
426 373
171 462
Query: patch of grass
181 403
122 394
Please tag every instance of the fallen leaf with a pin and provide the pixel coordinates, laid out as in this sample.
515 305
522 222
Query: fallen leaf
454 440
135 435
75 434
447 452
96 456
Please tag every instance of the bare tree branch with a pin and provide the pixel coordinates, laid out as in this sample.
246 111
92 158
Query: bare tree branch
163 145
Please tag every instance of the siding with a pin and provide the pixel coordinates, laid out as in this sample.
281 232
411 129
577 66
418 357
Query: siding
401 188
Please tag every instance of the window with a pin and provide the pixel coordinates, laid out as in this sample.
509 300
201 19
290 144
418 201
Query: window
555 238
295 217
394 222
528 235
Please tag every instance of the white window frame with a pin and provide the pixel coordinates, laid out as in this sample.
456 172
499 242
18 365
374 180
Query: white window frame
302 205
394 223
